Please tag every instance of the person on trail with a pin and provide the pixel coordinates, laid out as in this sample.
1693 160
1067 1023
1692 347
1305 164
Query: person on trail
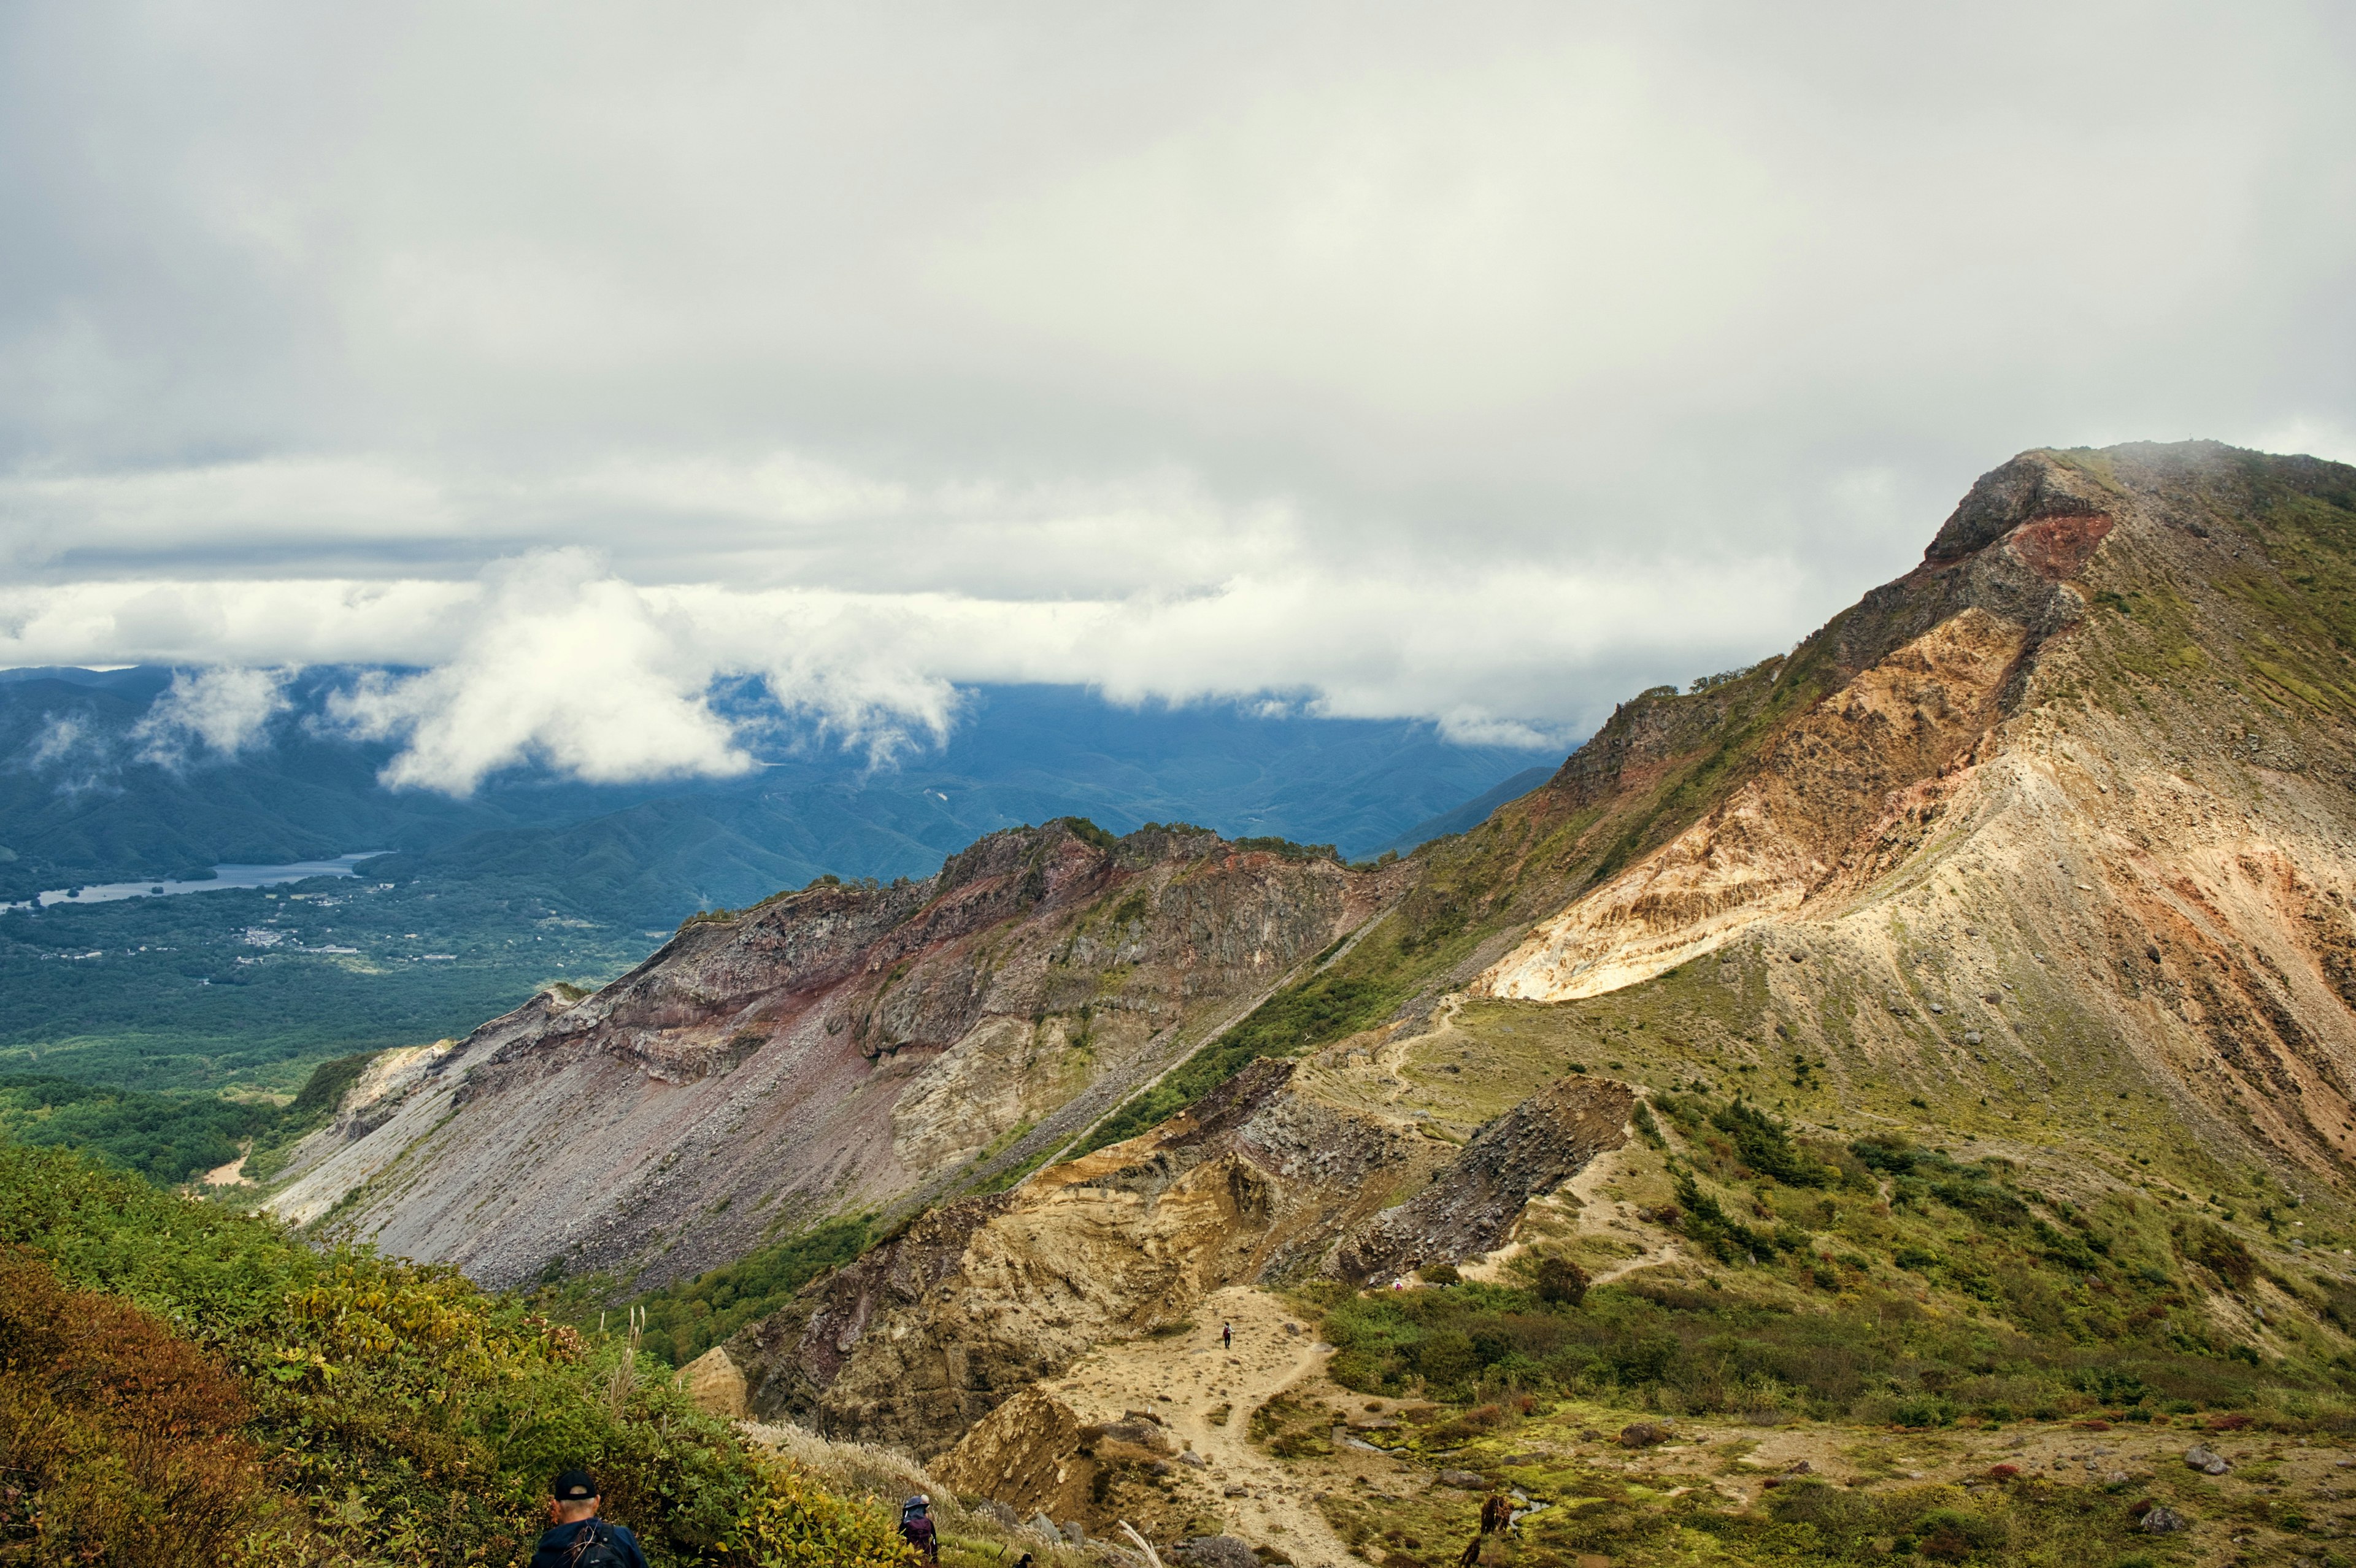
577 1538
916 1527
1227 1336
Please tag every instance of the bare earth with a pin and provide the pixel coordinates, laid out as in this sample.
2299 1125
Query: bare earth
1182 1379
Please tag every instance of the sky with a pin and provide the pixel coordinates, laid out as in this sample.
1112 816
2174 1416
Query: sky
1483 363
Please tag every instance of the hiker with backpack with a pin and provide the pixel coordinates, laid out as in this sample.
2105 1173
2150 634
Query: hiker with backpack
916 1527
577 1538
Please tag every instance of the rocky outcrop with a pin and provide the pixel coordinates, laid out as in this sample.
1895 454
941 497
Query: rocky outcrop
1470 1207
715 1384
1262 1181
933 1329
833 1048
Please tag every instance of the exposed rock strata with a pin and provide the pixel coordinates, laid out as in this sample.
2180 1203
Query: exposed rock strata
931 1331
1471 1208
832 1048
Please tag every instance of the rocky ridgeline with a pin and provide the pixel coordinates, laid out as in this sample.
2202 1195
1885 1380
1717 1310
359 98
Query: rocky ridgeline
1469 1209
839 1047
932 1330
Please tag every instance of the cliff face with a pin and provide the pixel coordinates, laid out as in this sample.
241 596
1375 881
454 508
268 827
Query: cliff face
834 1048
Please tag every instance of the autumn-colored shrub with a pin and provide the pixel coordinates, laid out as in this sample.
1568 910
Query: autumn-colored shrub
416 1418
120 1442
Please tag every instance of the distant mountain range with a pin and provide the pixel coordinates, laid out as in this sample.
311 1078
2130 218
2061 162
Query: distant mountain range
86 797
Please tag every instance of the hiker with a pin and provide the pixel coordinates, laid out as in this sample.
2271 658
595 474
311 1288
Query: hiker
916 1527
1227 1336
577 1538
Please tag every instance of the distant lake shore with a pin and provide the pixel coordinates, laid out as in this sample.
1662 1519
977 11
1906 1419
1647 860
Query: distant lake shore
224 876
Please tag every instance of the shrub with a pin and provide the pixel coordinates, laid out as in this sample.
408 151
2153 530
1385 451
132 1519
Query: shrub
1440 1273
123 1438
1560 1282
1766 1148
1447 1359
2221 1252
419 1416
1952 1534
1923 1409
794 1522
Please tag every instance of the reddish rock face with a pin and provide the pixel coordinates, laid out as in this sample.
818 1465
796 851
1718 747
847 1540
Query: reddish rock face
2058 547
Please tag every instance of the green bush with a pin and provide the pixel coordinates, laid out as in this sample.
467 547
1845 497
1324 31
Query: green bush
1559 1282
685 1319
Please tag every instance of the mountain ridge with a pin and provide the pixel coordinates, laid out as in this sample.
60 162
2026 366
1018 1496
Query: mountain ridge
1982 967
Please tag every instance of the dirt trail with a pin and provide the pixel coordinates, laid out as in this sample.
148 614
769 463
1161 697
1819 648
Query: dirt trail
1185 1377
232 1174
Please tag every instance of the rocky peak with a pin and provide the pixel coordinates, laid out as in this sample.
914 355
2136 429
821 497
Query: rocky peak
838 1047
2031 487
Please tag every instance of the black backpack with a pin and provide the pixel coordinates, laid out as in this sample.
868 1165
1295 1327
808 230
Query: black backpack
594 1548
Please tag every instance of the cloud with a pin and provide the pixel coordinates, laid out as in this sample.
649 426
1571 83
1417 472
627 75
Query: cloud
561 666
554 659
228 709
1396 363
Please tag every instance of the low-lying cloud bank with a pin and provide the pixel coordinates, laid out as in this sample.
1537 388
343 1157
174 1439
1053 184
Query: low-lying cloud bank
553 658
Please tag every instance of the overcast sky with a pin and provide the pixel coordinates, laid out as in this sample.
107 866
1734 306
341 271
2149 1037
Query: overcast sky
1478 362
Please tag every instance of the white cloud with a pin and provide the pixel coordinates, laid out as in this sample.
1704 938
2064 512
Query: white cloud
228 709
1482 368
561 665
2315 437
553 659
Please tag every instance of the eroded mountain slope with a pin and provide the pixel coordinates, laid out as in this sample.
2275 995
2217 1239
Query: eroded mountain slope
1265 1180
831 1050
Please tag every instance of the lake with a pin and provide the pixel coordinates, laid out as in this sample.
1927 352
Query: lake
223 877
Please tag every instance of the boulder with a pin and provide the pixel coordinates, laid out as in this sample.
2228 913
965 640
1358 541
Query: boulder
1646 1433
715 1384
1218 1552
2165 1521
2206 1459
1464 1480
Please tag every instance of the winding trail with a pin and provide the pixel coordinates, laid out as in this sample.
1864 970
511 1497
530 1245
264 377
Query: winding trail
1185 1377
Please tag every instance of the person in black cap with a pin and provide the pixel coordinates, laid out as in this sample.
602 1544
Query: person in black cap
917 1528
577 1537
